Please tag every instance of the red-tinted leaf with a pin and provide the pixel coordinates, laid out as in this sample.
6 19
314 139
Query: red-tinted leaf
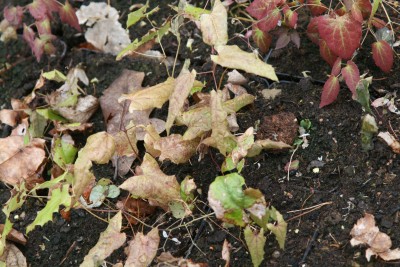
290 17
29 35
259 8
336 67
330 91
262 39
43 26
326 53
316 7
312 30
38 48
341 11
382 54
342 34
68 15
365 7
52 5
270 20
356 13
283 39
13 15
38 9
351 76
295 38
378 23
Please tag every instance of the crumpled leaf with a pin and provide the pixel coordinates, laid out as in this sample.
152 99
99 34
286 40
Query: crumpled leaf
231 56
221 137
59 196
63 150
255 242
152 184
152 97
266 144
142 249
183 85
99 148
12 256
214 26
174 148
110 240
228 200
391 141
18 162
365 232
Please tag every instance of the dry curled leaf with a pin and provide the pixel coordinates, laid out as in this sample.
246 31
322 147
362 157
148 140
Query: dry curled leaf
391 141
142 249
174 148
214 26
20 162
13 257
14 236
137 207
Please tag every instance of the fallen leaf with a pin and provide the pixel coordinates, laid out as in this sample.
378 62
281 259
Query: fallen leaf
152 184
174 148
270 94
267 144
391 141
214 26
12 256
18 162
235 77
110 240
139 208
71 127
142 249
14 236
255 242
231 56
226 253
166 260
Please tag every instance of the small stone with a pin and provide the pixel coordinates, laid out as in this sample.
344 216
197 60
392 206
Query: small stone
276 254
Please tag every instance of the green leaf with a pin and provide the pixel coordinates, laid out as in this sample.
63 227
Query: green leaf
375 6
228 200
37 125
64 151
54 75
137 15
255 242
279 228
50 115
59 196
363 93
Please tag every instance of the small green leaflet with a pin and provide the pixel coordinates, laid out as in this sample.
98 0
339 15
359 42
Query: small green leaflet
363 93
59 196
50 115
255 241
278 228
54 75
63 151
137 15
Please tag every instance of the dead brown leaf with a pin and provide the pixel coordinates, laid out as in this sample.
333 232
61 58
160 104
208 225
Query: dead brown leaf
174 148
226 253
14 236
137 207
13 257
73 127
391 141
167 260
19 162
142 249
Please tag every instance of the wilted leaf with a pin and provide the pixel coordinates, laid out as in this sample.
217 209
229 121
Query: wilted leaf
342 34
99 148
174 148
382 53
152 97
142 249
137 207
18 162
214 26
13 257
59 196
152 184
183 86
231 56
137 15
255 242
278 228
351 75
110 240
330 91
362 91
228 200
266 144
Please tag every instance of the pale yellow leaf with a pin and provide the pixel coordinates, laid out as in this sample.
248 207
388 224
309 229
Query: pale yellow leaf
214 26
174 148
110 240
13 257
231 56
142 249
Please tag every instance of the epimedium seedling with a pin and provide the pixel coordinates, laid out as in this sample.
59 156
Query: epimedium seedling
336 29
38 35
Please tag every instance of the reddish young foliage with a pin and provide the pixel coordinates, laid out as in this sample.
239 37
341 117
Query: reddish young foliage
330 91
290 17
260 8
38 9
316 7
382 54
351 76
67 15
29 35
262 39
52 5
326 53
312 30
43 26
378 23
37 48
342 34
336 67
270 20
356 13
365 7
341 11
13 15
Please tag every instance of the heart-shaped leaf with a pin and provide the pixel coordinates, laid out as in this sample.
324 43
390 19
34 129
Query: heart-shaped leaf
382 54
330 91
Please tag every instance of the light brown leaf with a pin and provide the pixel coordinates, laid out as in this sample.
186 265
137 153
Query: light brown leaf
183 85
268 145
167 260
391 141
110 240
149 139
235 77
143 249
14 235
137 207
9 117
231 56
13 257
226 253
18 162
152 184
174 148
152 97
214 26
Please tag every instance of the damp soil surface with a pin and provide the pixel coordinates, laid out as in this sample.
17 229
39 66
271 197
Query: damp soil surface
335 184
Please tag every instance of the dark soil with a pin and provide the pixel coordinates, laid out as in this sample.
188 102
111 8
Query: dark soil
350 183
